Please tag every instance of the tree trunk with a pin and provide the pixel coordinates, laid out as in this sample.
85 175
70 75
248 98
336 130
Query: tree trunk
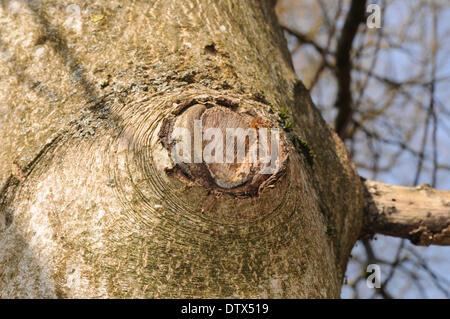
92 205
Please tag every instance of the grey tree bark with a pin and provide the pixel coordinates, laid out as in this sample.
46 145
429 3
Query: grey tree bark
91 203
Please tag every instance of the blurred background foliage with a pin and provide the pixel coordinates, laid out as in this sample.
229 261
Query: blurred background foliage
385 91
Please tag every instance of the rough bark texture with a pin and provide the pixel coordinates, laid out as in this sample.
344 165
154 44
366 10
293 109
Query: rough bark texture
88 207
421 214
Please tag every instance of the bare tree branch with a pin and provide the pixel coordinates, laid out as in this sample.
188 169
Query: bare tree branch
420 214
332 27
303 38
344 66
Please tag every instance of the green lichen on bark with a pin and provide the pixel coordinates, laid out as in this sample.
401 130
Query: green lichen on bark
303 148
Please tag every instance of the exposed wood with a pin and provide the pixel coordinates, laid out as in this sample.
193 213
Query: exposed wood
420 214
214 159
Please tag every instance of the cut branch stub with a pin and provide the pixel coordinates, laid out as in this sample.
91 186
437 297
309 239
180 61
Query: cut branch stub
229 175
230 149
